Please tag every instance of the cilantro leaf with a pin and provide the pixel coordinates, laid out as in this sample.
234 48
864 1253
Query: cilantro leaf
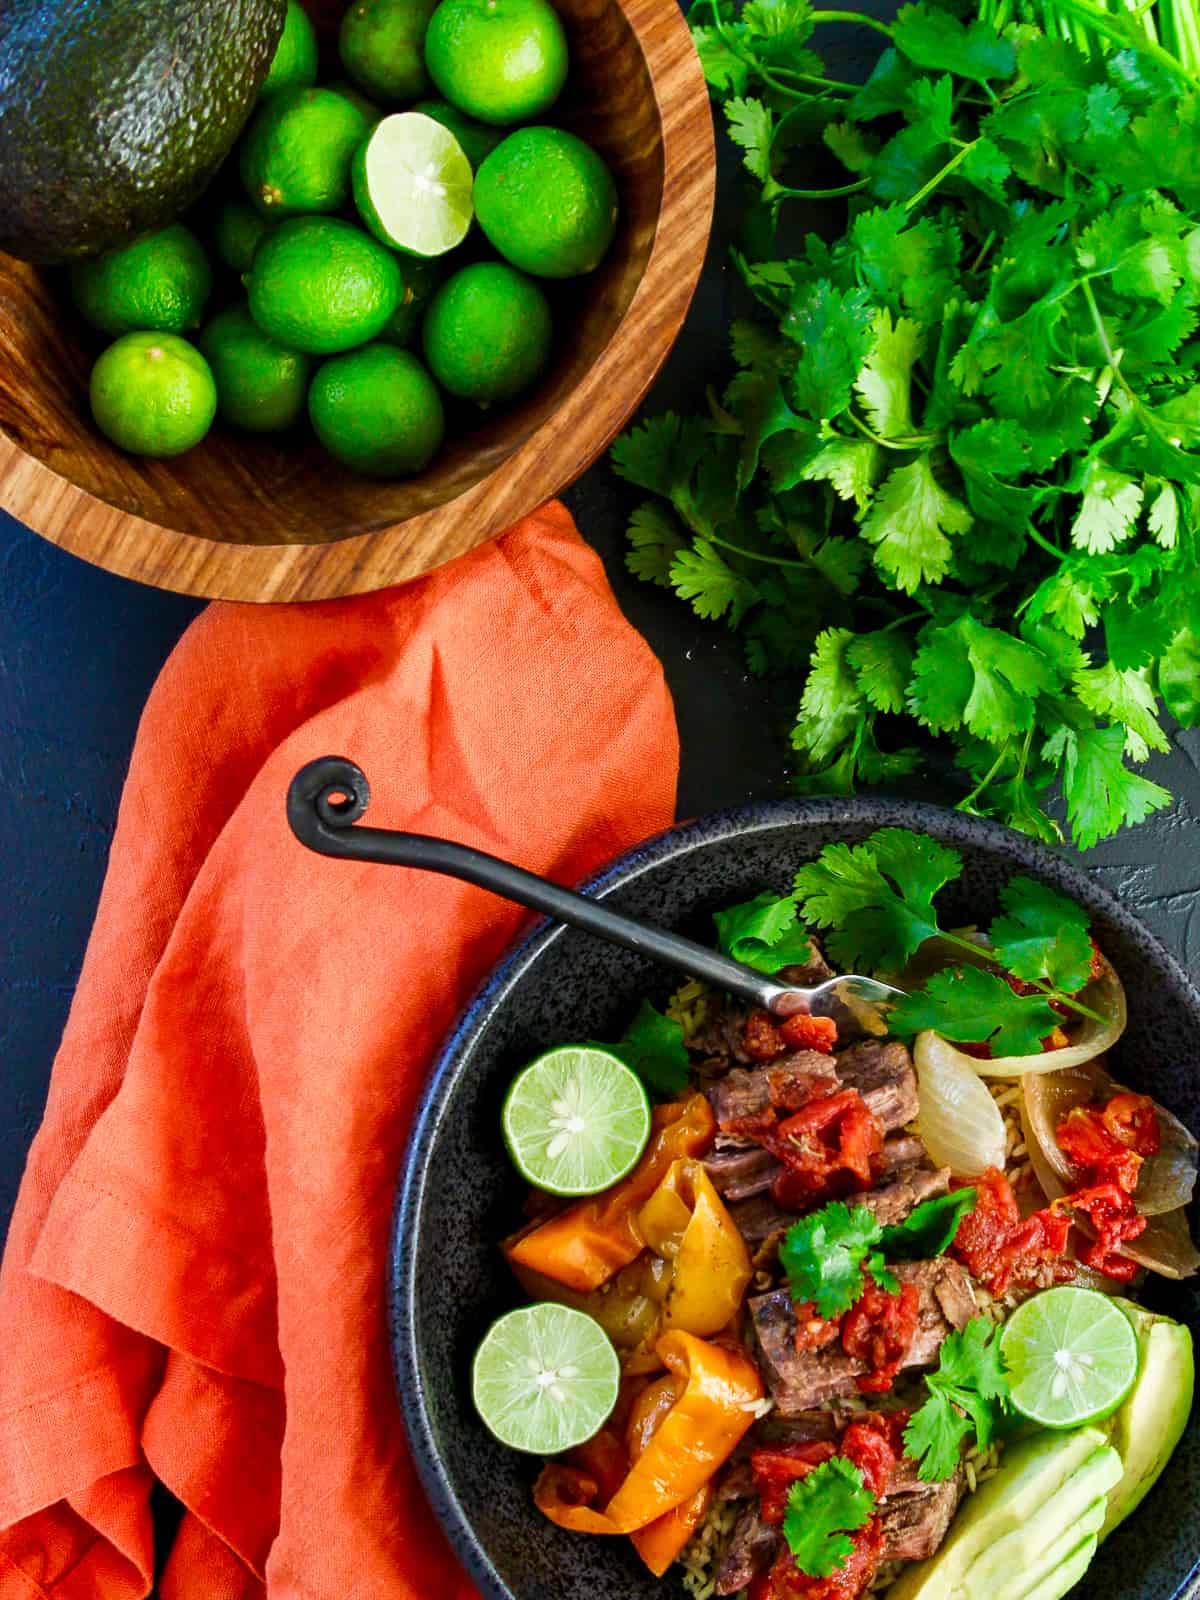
934 1434
655 539
911 523
701 575
1042 935
750 125
850 465
885 380
764 933
1102 794
1124 697
652 1046
823 1256
1109 509
831 327
1179 678
831 701
877 896
883 662
976 1007
937 40
823 1507
969 1379
929 1229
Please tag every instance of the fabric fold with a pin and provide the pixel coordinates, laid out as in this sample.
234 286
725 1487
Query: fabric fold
193 1286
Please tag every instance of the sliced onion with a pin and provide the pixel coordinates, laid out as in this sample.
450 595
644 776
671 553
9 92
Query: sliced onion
959 1122
1166 1180
1165 1246
1089 1039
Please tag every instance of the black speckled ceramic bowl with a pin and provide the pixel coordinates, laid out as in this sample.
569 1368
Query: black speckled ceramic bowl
459 1195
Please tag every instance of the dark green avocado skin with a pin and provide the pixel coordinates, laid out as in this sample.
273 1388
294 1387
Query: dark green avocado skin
115 114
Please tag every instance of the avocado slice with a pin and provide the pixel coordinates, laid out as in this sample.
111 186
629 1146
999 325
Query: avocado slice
113 118
1030 1474
1047 1578
1067 1575
1009 1567
1148 1425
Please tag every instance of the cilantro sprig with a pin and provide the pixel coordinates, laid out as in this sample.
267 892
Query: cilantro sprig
826 1255
764 933
968 1393
967 423
823 1508
877 900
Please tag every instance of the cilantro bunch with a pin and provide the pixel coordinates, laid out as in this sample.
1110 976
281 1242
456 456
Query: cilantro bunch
952 485
967 1393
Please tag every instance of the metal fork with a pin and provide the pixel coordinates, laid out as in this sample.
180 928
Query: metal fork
328 796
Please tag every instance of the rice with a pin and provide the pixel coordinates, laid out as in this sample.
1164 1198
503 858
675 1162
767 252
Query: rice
688 1006
700 1555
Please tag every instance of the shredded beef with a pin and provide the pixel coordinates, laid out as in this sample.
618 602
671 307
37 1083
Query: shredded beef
802 1381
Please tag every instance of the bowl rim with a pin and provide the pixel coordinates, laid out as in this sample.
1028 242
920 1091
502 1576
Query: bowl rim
544 464
682 838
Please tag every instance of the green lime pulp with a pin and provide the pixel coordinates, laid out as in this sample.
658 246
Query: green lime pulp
1072 1357
545 1378
576 1120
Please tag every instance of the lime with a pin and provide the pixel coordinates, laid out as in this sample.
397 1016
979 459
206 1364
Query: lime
153 394
477 139
487 334
421 279
296 156
237 234
160 281
377 411
260 385
502 61
412 185
547 202
1072 1357
356 98
545 1378
381 46
321 285
294 64
576 1120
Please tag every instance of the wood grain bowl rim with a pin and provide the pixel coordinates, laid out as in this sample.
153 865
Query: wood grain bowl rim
546 462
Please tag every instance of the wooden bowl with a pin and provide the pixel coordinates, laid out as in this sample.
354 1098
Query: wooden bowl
245 518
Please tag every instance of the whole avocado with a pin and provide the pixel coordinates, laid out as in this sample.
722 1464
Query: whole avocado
115 114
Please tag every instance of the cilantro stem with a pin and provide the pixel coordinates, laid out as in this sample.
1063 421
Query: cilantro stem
912 441
819 194
1040 539
758 555
989 775
956 160
1099 20
1043 988
856 17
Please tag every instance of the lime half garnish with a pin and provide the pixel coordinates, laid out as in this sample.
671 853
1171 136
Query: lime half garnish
412 185
1072 1357
545 1378
576 1120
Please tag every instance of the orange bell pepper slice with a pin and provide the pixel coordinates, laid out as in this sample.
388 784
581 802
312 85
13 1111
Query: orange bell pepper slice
588 1243
713 1390
660 1542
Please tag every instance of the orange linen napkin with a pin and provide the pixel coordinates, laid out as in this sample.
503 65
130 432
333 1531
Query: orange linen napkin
193 1284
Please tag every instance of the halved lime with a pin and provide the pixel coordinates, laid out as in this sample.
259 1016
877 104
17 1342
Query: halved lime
545 1378
1072 1357
575 1120
412 185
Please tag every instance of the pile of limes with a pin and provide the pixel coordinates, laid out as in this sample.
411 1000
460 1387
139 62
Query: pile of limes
338 243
